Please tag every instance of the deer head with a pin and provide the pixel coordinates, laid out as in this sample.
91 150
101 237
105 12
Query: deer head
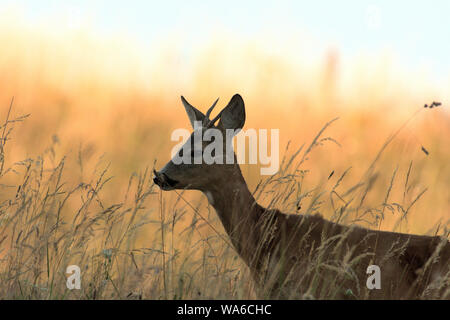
195 173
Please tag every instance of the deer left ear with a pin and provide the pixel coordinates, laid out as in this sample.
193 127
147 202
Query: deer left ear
193 113
233 116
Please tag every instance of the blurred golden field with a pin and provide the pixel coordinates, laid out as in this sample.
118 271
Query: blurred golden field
102 103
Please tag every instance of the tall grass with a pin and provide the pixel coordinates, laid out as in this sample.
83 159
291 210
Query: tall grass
140 246
41 235
75 182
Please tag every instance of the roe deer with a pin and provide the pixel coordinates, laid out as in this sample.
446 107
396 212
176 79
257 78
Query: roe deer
306 256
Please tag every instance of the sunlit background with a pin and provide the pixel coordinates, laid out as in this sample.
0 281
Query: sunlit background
102 81
105 77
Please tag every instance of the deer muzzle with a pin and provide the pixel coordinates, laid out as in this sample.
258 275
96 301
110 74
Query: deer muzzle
163 181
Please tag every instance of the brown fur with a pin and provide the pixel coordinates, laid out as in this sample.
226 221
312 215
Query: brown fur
279 249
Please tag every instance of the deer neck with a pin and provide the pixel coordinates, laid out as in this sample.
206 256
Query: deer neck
236 208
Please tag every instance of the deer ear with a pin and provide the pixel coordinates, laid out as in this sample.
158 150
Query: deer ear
193 113
233 116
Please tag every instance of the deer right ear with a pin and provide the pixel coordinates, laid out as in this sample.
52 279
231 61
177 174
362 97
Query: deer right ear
233 116
193 113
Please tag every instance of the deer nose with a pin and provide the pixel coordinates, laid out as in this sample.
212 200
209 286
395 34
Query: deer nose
158 178
163 181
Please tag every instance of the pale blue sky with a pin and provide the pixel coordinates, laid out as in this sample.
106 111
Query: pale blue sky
417 31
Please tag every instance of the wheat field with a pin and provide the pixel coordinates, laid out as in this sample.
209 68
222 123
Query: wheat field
84 122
